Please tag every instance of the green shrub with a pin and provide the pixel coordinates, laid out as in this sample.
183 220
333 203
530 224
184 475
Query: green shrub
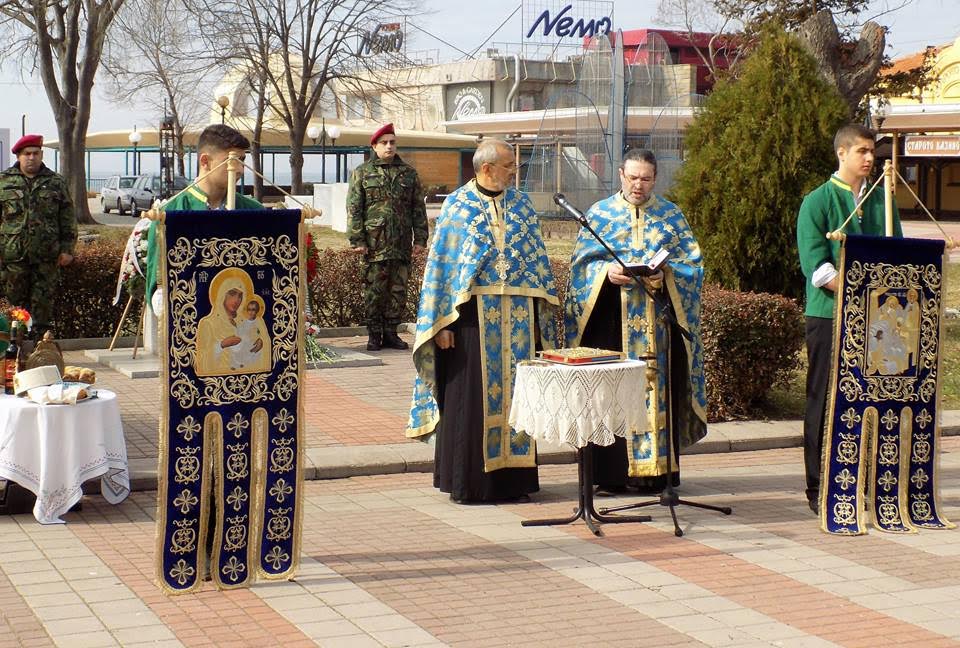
761 141
84 307
751 342
336 291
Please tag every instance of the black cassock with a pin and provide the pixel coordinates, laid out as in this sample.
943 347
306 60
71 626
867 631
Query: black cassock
603 331
458 459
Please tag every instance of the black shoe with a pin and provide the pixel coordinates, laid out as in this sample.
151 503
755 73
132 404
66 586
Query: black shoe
374 341
609 491
392 341
814 506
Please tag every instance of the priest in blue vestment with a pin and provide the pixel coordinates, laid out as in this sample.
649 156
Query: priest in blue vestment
605 308
488 301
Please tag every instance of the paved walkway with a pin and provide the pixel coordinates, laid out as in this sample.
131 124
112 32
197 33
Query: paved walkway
389 561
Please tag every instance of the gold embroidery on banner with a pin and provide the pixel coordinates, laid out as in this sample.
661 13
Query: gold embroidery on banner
888 513
891 332
238 466
280 525
845 479
281 490
188 428
276 557
844 511
182 572
848 450
185 501
187 466
282 457
238 425
850 417
233 569
283 420
237 498
235 537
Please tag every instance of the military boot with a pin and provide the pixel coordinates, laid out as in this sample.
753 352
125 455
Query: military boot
374 340
392 341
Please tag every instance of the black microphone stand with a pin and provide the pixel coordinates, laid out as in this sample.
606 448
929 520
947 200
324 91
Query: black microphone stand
668 497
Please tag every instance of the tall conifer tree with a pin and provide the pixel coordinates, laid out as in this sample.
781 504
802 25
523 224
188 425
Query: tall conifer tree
760 142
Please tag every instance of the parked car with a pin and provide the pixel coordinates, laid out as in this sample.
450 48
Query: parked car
117 193
149 187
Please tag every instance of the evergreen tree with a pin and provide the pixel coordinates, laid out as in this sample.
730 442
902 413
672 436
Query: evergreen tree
760 142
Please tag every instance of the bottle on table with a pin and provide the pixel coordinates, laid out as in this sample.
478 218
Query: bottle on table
11 358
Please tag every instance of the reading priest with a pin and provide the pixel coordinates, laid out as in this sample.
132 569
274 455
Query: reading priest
487 302
605 308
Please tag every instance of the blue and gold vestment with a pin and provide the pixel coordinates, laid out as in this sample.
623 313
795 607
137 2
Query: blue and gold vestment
491 249
636 233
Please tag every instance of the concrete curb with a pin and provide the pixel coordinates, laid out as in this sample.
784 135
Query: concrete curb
338 462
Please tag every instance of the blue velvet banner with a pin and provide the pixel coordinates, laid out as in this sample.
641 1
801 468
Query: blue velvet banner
230 435
881 444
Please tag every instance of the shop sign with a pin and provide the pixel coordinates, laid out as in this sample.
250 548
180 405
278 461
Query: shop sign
465 101
565 23
932 145
385 38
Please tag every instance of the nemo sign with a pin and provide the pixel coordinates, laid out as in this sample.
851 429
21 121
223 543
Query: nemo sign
932 145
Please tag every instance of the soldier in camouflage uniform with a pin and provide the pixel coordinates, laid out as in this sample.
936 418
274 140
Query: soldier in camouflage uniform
386 214
38 231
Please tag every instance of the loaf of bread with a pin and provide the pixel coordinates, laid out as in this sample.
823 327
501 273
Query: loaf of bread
79 374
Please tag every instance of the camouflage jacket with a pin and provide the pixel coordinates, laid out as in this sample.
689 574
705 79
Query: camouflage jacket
385 209
37 221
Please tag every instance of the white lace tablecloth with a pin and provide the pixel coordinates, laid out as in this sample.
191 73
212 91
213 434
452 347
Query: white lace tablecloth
53 449
579 404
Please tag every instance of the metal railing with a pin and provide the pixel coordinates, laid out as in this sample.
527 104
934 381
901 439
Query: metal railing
96 184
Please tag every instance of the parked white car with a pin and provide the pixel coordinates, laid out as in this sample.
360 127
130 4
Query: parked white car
117 193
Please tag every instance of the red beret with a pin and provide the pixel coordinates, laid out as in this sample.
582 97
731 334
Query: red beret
27 140
384 130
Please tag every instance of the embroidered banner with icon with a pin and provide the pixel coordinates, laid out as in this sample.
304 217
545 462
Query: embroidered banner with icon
881 447
230 476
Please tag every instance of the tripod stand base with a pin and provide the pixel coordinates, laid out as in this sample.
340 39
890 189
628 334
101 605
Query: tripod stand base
670 499
585 509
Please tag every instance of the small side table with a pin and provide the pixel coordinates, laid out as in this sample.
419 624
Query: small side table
580 405
52 449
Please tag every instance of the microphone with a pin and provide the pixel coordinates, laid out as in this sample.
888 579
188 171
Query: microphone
562 202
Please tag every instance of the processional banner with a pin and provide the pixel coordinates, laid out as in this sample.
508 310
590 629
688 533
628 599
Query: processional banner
230 476
881 449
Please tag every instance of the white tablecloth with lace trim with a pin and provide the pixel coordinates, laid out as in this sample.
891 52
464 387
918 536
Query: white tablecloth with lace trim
579 404
53 449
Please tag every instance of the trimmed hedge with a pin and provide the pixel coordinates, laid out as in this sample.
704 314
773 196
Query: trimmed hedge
751 340
82 303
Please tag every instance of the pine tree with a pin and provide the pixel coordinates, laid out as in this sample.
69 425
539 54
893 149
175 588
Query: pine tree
758 145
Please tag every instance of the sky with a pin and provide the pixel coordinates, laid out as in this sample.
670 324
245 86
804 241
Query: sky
913 25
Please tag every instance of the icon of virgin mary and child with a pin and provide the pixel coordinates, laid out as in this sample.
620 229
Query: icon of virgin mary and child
233 338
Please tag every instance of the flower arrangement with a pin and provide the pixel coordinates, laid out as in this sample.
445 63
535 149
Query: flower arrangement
133 264
20 315
315 351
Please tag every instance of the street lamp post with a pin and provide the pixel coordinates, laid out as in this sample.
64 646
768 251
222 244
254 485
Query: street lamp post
135 138
334 133
223 101
315 133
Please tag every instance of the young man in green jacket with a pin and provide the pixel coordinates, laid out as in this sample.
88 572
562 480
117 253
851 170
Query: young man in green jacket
823 210
215 145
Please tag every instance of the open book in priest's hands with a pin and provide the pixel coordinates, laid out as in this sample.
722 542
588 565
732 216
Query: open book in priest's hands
652 267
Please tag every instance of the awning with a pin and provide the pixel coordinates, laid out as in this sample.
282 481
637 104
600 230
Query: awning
922 122
350 137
